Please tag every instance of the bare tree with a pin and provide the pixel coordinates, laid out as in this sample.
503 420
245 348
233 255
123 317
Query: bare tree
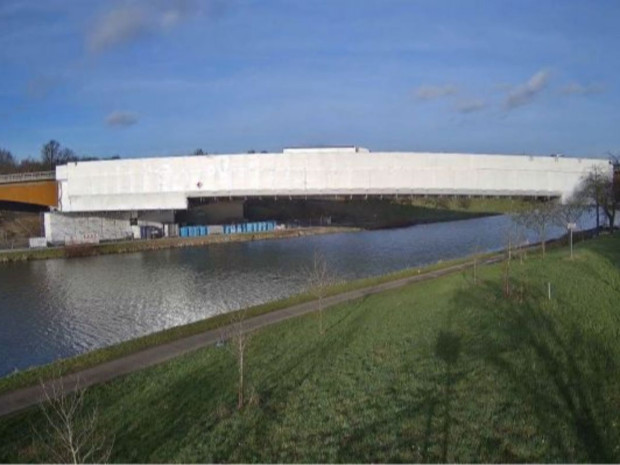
7 162
50 153
239 337
538 217
71 434
599 188
320 279
569 213
53 154
510 241
476 258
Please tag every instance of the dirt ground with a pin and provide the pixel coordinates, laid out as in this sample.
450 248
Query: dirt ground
17 227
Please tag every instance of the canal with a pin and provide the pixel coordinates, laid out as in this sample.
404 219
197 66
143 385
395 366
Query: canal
60 308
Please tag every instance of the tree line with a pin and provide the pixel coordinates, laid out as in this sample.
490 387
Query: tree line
599 189
52 155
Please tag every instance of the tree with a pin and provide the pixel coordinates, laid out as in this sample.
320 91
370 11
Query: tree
67 155
599 188
538 217
50 153
53 154
239 337
569 213
7 162
320 279
71 433
28 165
199 152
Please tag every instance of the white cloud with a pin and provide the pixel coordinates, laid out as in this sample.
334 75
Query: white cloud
119 26
134 19
435 92
578 89
526 93
470 106
41 86
121 118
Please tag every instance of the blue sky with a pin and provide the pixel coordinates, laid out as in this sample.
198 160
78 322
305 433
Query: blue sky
155 77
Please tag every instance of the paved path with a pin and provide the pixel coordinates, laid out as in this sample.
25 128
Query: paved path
26 397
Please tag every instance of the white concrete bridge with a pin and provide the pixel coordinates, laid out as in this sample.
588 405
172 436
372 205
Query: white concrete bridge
168 183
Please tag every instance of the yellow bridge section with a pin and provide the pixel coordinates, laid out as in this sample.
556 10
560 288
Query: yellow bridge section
30 188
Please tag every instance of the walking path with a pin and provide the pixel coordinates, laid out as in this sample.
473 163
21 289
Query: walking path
26 397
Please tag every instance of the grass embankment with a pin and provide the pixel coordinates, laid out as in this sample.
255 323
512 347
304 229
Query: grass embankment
444 370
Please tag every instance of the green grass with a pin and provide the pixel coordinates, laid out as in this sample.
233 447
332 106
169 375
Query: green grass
443 370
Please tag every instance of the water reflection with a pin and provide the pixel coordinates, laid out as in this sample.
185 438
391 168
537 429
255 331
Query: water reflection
59 308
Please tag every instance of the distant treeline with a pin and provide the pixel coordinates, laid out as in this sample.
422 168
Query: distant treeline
52 154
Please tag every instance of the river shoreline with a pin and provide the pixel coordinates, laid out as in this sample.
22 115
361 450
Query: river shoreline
141 245
88 250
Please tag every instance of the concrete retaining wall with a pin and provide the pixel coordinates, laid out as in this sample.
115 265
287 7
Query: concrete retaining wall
75 228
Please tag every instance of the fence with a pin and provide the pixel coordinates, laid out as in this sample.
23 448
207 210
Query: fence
27 177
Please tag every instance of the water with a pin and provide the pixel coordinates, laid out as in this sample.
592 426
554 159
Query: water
60 308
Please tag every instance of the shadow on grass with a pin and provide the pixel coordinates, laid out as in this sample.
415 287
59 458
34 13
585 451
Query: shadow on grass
447 349
563 374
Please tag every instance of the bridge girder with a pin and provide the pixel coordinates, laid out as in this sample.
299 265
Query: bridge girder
39 193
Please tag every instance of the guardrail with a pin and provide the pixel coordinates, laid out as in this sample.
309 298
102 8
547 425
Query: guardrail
27 177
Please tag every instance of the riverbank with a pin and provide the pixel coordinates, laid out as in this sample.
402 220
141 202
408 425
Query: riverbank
65 366
346 215
68 366
87 250
376 213
451 369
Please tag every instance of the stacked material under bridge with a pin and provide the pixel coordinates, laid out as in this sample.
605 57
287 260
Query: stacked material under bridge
29 189
168 183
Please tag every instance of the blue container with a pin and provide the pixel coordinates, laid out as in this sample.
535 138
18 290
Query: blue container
202 230
183 231
251 227
193 231
226 229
